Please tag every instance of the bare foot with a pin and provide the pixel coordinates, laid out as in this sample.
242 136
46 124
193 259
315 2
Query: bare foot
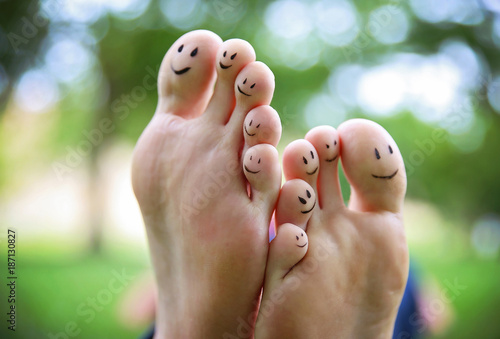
205 193
345 278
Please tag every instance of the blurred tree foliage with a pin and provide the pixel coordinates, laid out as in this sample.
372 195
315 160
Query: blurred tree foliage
463 185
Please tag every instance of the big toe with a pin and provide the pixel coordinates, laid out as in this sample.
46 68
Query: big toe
373 165
187 74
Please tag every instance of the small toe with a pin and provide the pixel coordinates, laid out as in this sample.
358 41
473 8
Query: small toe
233 55
285 251
262 125
301 161
373 165
325 140
187 74
262 170
296 203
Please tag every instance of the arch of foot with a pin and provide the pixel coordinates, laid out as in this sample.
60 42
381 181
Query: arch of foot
187 73
373 165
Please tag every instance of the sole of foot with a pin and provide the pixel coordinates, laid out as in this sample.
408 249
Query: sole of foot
206 175
337 271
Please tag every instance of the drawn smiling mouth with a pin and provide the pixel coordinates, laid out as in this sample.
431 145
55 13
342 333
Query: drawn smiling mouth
302 245
305 212
223 66
245 128
182 71
239 89
386 176
246 169
332 159
311 173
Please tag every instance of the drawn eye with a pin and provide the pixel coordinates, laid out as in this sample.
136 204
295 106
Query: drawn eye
390 149
250 124
251 157
312 154
252 86
225 53
258 161
244 82
301 234
377 154
335 142
308 193
257 126
297 237
233 56
194 52
305 160
180 48
327 146
302 200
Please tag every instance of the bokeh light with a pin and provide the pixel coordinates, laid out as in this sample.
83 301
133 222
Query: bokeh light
36 91
485 236
389 24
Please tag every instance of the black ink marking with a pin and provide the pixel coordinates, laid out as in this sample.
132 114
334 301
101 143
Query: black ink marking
297 237
244 82
305 212
335 142
390 149
332 159
305 160
301 234
308 194
258 161
250 124
258 126
327 146
182 71
225 53
312 154
194 52
233 56
302 200
311 173
377 154
386 176
239 90
223 66
302 245
246 131
180 48
251 157
252 86
246 169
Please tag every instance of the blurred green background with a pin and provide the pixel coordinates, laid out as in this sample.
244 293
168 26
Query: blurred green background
75 91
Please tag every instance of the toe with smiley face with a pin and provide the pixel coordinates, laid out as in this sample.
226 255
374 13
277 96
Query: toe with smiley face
325 140
254 86
373 164
301 161
297 201
261 166
233 55
187 72
262 125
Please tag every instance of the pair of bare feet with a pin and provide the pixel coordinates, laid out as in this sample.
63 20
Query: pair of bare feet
207 177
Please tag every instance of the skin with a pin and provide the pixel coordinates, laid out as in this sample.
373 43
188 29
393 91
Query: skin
352 278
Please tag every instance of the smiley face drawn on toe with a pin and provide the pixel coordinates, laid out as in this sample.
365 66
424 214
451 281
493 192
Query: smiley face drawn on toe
242 92
181 71
301 236
250 171
333 158
306 162
304 201
223 66
379 157
249 127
